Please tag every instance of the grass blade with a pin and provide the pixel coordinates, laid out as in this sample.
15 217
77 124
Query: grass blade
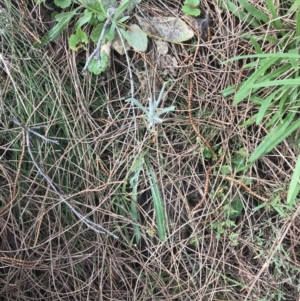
256 13
294 185
265 104
245 88
298 23
277 22
255 45
241 14
276 136
264 56
158 203
136 169
288 81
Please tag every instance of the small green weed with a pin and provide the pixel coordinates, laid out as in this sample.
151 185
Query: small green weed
189 8
226 225
105 18
153 114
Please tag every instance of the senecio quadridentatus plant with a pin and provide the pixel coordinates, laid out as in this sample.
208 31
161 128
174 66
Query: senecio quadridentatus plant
153 113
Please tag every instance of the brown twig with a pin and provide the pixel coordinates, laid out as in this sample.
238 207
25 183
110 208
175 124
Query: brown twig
23 6
21 263
206 185
237 84
39 226
104 170
248 189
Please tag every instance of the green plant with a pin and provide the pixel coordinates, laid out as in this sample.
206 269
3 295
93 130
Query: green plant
275 205
105 18
189 8
142 162
152 114
159 207
135 171
274 82
225 227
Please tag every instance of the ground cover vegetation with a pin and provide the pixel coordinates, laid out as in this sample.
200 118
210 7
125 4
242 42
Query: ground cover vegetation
141 161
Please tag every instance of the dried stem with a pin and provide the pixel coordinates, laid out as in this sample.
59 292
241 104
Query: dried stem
96 52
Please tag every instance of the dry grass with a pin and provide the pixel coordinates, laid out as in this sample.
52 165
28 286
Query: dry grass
210 254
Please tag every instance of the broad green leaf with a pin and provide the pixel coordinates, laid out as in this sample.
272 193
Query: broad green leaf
111 29
78 37
63 20
276 136
62 3
110 33
172 29
85 18
192 2
137 38
294 185
94 65
82 35
191 11
125 4
225 170
95 35
73 41
190 8
96 7
99 18
236 208
123 19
